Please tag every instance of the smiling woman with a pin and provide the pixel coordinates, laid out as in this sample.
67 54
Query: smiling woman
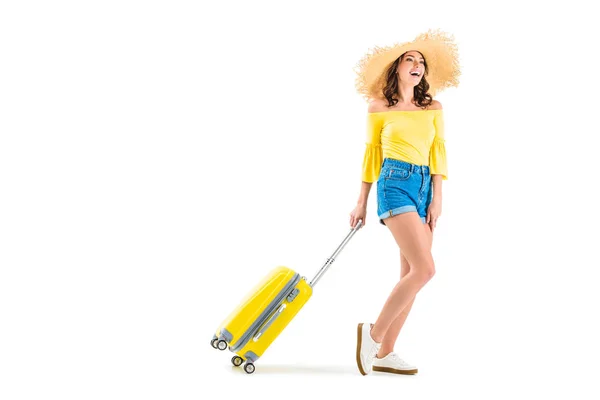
410 66
405 156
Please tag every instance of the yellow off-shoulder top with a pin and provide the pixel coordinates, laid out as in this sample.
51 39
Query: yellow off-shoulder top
416 137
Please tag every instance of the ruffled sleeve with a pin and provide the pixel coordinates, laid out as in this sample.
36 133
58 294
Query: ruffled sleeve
437 155
373 154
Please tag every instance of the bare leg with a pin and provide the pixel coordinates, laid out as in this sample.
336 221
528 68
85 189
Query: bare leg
389 340
410 236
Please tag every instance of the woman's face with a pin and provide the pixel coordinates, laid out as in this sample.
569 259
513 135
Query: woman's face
412 67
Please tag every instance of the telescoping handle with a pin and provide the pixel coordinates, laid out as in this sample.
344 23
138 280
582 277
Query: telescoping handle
331 259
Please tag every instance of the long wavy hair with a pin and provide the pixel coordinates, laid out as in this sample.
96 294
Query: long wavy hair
390 90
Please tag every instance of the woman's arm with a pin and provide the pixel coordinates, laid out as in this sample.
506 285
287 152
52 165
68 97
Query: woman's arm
437 186
363 198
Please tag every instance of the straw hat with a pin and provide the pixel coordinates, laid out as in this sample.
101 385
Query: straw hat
439 50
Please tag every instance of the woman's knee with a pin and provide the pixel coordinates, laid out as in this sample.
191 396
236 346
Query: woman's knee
425 271
430 272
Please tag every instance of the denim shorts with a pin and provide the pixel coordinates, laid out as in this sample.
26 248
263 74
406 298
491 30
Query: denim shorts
403 187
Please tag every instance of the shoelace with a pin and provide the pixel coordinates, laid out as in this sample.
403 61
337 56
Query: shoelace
373 352
397 358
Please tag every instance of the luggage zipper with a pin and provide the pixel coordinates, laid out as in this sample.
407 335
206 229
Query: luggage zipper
264 327
275 304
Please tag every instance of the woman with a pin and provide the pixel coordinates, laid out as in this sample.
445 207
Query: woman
405 155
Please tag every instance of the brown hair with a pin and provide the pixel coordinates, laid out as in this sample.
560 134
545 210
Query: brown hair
390 90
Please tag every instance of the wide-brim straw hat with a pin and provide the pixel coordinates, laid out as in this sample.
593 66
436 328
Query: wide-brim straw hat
441 56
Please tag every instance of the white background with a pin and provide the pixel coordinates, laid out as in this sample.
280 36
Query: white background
158 158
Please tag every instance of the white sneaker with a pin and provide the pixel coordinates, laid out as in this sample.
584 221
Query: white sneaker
366 348
394 364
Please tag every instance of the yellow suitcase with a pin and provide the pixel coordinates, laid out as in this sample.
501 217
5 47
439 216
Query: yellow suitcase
266 310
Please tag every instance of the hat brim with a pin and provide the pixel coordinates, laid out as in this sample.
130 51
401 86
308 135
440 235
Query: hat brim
439 50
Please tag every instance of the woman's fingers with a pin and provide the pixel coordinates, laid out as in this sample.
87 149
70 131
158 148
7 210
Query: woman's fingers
355 217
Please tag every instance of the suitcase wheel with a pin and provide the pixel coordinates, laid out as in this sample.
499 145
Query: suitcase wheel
218 344
237 361
222 345
249 368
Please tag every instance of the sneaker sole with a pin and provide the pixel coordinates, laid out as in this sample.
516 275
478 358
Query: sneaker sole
358 344
396 371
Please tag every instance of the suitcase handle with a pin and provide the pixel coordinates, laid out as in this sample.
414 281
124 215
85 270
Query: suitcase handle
331 259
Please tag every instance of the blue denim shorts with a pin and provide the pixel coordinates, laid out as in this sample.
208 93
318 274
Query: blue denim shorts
403 187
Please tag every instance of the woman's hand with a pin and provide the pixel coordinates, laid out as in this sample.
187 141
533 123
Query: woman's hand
360 212
434 211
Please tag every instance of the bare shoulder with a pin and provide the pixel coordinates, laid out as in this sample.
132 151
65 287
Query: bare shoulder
435 105
377 105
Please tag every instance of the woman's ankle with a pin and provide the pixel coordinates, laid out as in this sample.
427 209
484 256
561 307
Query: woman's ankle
378 338
383 352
